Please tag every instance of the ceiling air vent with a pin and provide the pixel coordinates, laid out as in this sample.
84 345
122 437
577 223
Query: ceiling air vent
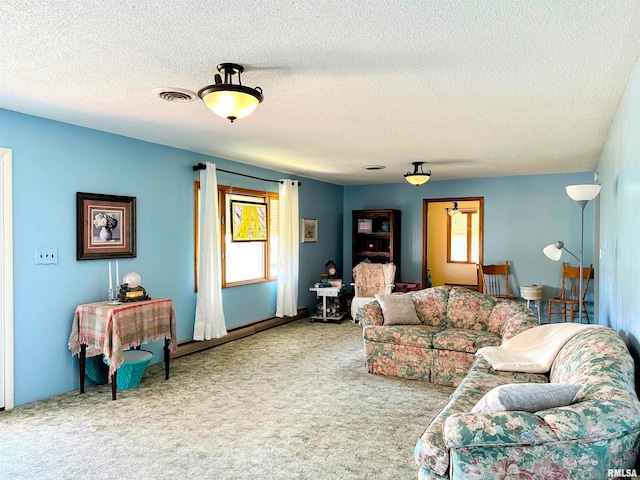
374 167
179 95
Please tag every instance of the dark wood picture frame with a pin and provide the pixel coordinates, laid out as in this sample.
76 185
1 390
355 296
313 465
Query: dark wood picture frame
106 226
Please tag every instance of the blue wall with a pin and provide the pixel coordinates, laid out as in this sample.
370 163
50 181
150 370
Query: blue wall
619 171
51 162
522 215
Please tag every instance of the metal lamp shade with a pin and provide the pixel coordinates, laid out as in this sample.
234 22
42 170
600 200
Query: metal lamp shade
553 252
583 193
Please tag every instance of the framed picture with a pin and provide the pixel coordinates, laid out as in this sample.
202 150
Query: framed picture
309 230
248 221
106 226
365 225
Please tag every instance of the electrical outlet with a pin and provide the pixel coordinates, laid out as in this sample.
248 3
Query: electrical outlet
46 256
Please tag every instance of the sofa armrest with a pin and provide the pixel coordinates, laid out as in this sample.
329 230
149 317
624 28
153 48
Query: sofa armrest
469 430
370 314
593 419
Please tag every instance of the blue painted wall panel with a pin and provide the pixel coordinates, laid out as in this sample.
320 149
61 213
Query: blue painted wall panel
521 216
619 171
51 162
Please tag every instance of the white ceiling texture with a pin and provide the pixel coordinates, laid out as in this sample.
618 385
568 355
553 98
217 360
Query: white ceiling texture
475 88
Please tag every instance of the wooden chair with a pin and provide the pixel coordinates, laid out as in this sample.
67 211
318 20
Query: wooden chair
570 294
494 280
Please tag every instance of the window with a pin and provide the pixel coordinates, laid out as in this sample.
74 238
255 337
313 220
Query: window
247 261
463 235
273 235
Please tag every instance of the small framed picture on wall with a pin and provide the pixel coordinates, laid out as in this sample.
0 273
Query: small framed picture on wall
309 230
106 226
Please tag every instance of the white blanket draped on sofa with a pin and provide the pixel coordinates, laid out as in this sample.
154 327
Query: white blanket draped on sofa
534 350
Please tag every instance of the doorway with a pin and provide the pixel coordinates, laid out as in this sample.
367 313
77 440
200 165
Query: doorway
6 282
453 240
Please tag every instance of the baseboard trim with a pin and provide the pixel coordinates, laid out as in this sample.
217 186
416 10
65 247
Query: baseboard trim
192 346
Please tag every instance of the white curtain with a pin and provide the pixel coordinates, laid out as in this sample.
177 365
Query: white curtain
209 314
288 248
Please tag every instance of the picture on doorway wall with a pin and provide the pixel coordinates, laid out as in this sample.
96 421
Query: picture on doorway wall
309 230
106 226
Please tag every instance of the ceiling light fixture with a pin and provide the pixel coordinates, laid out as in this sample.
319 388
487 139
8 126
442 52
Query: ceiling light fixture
418 176
454 211
230 100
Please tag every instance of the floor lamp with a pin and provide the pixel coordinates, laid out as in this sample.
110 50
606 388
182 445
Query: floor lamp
582 194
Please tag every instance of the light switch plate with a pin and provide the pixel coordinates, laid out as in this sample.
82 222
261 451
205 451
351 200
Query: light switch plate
46 256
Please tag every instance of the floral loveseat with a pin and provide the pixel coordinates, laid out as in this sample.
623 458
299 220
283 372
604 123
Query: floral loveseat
455 323
597 433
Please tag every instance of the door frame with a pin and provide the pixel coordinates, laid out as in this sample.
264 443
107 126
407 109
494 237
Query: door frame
425 218
6 280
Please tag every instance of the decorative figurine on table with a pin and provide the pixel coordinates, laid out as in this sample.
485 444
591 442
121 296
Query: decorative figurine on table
130 290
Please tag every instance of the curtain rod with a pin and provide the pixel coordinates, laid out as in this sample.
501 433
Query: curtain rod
202 166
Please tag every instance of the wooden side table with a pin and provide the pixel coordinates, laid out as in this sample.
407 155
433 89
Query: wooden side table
110 329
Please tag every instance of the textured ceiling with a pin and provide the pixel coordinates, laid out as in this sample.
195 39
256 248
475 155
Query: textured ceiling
474 88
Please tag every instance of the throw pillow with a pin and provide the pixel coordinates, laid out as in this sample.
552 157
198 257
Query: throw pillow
528 397
398 309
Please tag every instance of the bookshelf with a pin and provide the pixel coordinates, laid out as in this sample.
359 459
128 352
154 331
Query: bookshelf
376 236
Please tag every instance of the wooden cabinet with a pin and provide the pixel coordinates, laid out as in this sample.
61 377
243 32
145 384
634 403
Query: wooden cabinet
376 236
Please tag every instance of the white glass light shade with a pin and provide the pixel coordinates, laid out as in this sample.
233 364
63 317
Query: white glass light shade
553 252
581 193
417 179
418 176
230 104
132 279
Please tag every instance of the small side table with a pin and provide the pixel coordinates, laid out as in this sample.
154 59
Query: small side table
110 329
335 315
532 293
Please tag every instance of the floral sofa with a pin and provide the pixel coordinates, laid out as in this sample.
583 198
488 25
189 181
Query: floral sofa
455 323
598 432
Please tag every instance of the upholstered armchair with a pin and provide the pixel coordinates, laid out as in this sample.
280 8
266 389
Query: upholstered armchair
371 279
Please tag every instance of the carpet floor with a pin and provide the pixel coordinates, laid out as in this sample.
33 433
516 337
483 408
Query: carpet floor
292 402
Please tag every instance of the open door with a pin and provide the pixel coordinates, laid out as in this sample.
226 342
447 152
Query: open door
453 240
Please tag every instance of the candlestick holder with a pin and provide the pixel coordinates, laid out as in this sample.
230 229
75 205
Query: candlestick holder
113 297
